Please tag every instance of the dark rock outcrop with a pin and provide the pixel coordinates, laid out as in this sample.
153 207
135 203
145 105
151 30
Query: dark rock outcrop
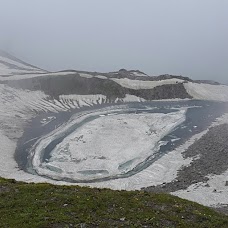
74 84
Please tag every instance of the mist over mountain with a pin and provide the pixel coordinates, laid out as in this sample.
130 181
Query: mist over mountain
153 36
123 104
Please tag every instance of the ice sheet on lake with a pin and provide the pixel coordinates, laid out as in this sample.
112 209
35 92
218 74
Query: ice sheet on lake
107 146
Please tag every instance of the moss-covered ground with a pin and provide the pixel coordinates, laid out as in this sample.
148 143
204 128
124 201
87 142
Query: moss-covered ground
45 205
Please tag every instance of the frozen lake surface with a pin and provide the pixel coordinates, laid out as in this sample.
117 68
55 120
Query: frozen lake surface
110 142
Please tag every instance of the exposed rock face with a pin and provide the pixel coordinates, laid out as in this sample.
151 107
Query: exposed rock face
171 91
210 82
168 76
74 84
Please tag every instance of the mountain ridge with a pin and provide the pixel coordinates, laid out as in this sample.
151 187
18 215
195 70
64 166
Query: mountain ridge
42 98
10 65
122 73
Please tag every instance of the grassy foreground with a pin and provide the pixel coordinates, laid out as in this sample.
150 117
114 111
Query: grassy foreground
45 205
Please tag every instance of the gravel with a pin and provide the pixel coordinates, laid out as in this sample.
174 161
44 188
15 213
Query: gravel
211 157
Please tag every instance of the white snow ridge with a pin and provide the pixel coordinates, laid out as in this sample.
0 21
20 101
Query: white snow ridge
11 66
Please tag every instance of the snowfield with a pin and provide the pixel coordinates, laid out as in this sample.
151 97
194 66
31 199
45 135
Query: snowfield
207 92
138 74
9 67
137 84
213 193
15 63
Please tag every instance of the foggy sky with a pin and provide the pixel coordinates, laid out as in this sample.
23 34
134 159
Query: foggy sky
182 37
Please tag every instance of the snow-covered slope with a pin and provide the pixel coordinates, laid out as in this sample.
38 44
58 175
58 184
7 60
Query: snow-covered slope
138 84
203 91
10 65
29 94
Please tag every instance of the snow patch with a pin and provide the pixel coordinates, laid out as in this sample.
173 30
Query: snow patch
101 77
18 64
206 91
138 84
77 101
9 67
86 75
213 193
130 98
35 75
139 74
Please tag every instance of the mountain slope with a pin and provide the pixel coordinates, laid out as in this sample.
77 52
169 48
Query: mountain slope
46 103
9 65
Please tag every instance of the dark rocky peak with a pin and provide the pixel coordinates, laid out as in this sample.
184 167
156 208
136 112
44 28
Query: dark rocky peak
211 82
169 76
131 74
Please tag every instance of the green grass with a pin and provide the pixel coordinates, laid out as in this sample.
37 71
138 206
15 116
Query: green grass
45 205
